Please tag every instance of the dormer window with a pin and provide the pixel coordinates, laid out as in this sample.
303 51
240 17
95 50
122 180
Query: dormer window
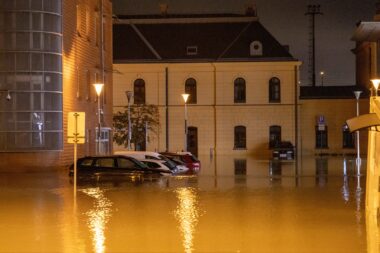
192 50
256 48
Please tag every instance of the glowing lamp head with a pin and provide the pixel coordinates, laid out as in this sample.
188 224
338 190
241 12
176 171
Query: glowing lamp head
322 73
375 83
98 88
185 97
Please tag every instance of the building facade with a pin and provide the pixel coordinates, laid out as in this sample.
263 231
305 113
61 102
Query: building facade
324 111
242 82
367 36
51 51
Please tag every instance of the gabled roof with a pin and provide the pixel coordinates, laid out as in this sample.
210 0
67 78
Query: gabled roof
367 31
217 37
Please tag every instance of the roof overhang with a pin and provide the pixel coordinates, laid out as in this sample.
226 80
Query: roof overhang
367 31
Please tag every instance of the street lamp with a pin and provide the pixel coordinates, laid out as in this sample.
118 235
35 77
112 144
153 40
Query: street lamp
185 97
129 95
322 74
358 160
98 89
8 96
375 83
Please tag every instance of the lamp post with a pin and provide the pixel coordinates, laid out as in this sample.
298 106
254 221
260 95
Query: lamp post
98 89
375 83
185 97
358 160
322 74
129 95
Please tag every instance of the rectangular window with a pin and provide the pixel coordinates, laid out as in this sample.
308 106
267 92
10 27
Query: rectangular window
240 166
97 29
88 22
321 136
79 19
192 50
348 138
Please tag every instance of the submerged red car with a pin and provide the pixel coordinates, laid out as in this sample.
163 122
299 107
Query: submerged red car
189 159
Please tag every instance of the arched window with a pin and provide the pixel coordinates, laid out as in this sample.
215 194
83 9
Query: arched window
239 90
256 48
240 137
191 89
348 138
274 135
274 90
139 91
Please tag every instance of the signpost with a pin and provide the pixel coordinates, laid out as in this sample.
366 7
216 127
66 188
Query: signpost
75 135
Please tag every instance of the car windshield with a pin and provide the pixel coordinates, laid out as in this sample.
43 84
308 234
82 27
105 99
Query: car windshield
141 164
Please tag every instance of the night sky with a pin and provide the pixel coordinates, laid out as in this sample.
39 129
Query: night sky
286 21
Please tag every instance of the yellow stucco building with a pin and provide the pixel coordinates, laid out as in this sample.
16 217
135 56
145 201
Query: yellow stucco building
243 83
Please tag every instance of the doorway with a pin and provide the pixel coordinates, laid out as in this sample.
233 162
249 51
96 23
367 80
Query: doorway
192 140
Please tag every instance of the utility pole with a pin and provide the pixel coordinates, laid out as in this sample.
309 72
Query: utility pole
312 10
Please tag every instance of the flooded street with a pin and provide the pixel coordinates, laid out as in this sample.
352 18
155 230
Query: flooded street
237 205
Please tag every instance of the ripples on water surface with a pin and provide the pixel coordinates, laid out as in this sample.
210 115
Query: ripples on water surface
264 207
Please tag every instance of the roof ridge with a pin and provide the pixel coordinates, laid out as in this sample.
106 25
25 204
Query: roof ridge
234 40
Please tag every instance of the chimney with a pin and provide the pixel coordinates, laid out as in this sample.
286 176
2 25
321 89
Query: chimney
251 10
164 9
377 14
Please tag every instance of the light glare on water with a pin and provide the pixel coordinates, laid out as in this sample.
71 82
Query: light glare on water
266 207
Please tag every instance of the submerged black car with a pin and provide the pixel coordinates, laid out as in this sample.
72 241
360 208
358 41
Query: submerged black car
283 150
112 165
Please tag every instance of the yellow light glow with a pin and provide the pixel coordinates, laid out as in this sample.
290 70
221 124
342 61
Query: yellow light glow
322 73
98 88
187 214
98 218
185 97
375 83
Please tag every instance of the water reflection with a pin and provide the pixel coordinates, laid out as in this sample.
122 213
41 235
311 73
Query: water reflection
98 217
321 171
187 214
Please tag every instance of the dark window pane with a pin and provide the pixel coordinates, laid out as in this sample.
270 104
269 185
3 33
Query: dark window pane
348 138
139 91
274 90
240 137
239 90
191 89
321 137
274 135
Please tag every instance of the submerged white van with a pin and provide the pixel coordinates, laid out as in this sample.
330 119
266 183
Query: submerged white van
141 155
150 155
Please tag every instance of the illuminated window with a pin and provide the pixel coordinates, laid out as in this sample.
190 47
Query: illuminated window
239 90
79 19
191 89
88 22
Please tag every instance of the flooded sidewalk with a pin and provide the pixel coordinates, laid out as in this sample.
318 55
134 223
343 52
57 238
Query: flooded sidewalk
251 206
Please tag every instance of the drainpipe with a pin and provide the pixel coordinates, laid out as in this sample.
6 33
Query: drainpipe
296 120
215 123
167 107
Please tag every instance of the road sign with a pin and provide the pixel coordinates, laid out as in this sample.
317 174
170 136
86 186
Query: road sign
76 127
